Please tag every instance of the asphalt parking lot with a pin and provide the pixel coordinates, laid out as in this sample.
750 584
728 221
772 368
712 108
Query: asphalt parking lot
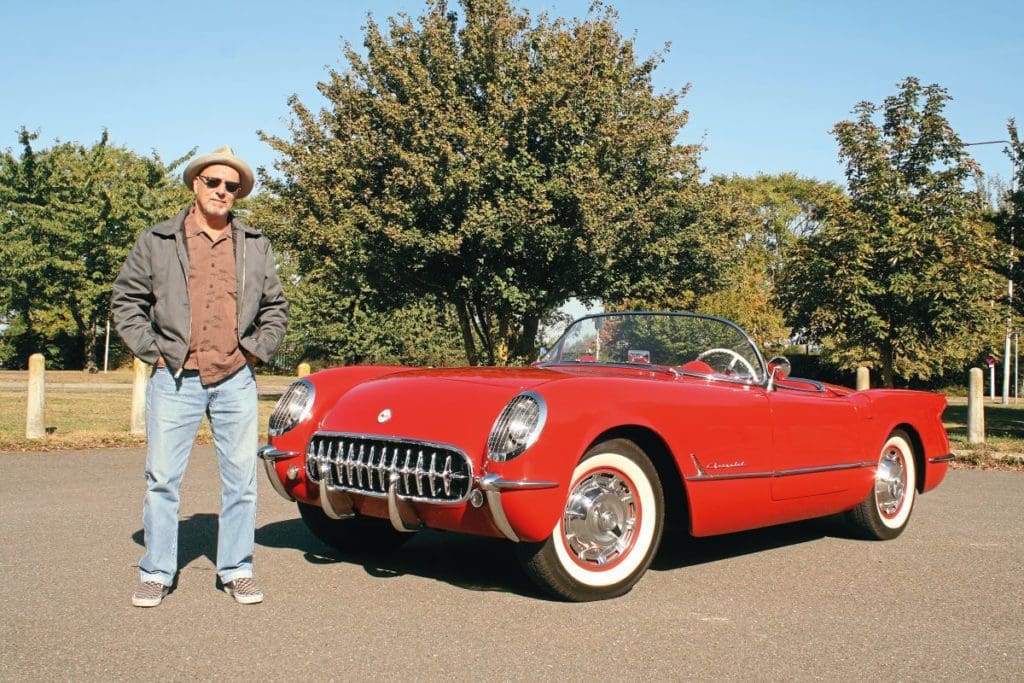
803 601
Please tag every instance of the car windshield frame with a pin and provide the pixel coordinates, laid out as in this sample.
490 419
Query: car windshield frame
571 347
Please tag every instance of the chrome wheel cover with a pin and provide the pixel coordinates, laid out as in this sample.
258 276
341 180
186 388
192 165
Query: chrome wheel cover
890 482
600 519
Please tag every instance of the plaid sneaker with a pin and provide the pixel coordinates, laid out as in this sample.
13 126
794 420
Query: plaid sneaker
149 594
244 590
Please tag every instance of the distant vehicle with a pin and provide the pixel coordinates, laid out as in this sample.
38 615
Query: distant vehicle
579 459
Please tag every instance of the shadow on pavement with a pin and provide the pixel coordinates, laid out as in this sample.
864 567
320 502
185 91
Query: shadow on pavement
679 550
488 564
470 562
197 537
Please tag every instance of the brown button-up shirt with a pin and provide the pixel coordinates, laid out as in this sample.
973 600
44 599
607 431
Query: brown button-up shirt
213 293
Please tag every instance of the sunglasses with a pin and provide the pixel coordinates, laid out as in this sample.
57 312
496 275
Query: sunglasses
214 183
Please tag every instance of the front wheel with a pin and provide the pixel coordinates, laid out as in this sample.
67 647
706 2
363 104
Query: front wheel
886 510
356 535
609 530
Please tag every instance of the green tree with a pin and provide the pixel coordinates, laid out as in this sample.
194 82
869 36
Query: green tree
899 276
71 214
494 164
1009 220
769 214
333 316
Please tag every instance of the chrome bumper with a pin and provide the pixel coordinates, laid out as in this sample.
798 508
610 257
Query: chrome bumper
338 505
269 455
492 486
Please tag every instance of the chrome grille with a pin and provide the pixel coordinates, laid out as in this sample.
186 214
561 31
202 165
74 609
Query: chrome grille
427 472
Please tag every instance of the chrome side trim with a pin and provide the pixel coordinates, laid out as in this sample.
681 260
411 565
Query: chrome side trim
402 514
702 476
949 457
269 455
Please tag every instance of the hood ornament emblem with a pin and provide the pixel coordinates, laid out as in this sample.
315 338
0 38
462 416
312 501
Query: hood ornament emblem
384 415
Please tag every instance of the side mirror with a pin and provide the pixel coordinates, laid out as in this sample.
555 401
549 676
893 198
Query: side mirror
779 367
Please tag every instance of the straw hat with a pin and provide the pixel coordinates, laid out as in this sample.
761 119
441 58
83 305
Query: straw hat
222 155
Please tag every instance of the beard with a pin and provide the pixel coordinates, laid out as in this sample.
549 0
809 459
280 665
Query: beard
214 209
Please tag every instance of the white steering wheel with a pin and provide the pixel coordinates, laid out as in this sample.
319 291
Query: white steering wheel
735 358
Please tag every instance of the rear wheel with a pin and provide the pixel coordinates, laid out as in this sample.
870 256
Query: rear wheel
609 530
359 534
886 510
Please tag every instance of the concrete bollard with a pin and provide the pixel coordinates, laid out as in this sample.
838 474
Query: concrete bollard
976 406
35 415
302 370
138 424
863 378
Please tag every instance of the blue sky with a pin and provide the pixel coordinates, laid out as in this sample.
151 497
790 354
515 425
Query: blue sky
768 79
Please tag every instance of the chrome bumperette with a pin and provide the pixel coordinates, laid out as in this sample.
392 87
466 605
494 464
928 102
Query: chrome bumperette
492 485
335 503
269 455
401 513
370 465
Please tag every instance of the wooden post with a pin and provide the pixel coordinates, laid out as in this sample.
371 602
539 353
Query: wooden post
138 424
302 370
863 378
976 407
35 415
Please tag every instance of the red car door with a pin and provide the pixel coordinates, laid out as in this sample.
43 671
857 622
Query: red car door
816 443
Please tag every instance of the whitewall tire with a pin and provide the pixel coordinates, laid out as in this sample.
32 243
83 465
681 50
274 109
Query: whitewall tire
609 529
884 513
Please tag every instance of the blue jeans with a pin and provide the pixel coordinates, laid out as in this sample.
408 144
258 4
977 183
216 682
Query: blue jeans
174 409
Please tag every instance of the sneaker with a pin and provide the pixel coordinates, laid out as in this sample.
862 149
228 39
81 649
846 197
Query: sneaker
149 594
244 590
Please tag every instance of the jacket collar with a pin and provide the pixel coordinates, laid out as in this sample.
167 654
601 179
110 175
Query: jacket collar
176 226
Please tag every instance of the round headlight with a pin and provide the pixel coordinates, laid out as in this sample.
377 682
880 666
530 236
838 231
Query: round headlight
292 408
517 427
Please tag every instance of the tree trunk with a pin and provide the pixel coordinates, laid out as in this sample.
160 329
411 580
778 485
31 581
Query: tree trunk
467 334
527 339
887 365
89 348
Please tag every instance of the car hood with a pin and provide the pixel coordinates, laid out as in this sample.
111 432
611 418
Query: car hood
456 406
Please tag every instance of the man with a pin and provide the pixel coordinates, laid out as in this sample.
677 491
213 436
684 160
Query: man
199 298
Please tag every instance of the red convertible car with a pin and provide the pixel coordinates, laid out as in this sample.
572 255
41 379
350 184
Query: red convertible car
631 418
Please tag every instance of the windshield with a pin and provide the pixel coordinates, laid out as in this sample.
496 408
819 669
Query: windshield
685 342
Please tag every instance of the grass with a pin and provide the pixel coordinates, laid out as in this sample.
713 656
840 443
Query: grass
1004 435
79 416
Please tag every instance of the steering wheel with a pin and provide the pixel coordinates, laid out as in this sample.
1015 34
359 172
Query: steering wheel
736 358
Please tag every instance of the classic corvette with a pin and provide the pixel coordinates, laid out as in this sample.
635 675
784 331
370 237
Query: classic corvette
629 421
